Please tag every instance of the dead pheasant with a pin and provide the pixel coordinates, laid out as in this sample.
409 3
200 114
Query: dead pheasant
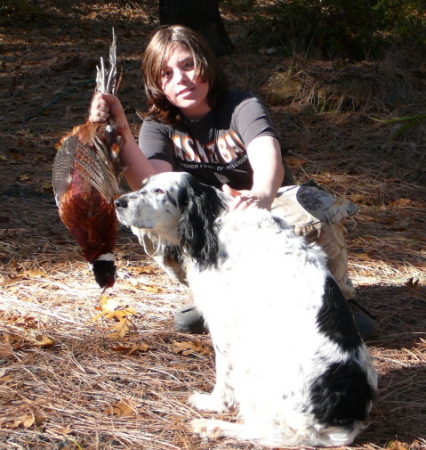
85 183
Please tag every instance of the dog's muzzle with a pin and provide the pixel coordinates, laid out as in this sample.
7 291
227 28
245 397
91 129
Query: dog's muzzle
122 209
121 202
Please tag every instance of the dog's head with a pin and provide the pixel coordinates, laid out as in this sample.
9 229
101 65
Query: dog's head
178 209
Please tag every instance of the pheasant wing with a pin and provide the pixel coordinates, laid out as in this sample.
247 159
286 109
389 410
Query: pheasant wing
62 170
98 168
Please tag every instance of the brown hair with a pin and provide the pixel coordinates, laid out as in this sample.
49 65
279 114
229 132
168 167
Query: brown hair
158 51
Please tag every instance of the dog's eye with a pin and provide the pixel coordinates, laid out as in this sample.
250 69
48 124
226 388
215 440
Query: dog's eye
158 191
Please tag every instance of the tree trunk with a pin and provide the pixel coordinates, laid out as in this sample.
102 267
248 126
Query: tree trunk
202 16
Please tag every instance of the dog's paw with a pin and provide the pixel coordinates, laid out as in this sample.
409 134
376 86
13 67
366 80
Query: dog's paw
207 402
207 428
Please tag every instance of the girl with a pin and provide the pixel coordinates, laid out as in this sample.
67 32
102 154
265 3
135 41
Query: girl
196 124
225 138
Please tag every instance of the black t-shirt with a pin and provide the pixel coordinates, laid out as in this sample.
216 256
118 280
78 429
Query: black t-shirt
213 148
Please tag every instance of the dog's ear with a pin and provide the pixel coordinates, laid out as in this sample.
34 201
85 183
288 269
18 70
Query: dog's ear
200 206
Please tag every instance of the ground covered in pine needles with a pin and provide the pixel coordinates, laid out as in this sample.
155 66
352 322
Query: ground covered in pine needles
83 371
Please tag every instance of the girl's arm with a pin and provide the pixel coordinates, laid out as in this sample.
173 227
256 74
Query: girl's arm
138 167
264 154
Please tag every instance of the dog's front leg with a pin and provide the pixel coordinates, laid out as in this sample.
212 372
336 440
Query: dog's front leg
222 396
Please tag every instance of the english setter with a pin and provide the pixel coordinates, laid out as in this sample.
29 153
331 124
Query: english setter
288 354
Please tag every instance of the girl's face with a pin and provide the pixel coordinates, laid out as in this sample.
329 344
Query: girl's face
182 86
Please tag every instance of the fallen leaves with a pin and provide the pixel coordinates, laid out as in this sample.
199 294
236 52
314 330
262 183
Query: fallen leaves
294 161
12 342
27 420
120 314
43 341
144 269
188 348
109 310
5 379
401 202
129 349
121 329
396 445
363 256
123 326
152 288
122 408
15 278
36 273
360 199
62 429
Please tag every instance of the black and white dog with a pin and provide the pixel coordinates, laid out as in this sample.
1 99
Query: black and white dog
288 354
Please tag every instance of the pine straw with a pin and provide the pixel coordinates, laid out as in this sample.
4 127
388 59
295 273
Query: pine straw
66 380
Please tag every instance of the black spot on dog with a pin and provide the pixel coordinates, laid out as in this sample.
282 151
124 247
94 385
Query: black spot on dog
341 395
335 319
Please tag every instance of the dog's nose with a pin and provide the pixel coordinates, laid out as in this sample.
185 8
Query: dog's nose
121 202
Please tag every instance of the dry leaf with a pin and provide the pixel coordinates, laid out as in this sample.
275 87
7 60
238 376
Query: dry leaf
121 315
5 379
359 199
396 445
43 341
34 273
401 202
63 430
123 408
121 329
150 288
109 310
39 420
108 303
124 313
5 350
365 217
187 348
129 349
363 256
295 161
26 421
145 269
11 342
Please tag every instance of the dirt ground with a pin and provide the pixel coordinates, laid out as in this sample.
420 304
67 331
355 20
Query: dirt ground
81 371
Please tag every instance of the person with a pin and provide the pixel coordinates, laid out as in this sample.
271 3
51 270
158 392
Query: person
225 138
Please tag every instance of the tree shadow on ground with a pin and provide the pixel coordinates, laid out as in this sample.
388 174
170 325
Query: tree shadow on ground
400 406
400 357
400 311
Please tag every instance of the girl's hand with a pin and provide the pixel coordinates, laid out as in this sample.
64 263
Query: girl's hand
246 199
108 106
